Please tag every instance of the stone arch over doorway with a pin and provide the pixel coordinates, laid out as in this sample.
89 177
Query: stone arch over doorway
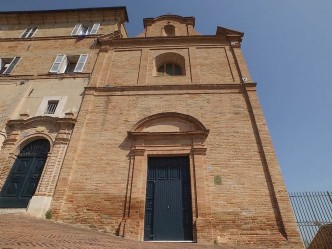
165 135
169 122
30 139
22 132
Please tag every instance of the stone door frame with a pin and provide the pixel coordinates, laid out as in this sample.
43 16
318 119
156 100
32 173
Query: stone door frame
171 143
24 131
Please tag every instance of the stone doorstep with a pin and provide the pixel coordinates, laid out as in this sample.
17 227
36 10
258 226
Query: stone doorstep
12 210
168 241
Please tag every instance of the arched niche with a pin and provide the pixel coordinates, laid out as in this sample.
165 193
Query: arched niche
169 30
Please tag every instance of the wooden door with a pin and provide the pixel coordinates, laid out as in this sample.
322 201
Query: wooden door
24 177
168 212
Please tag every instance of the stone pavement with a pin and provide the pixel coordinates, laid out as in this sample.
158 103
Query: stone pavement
23 231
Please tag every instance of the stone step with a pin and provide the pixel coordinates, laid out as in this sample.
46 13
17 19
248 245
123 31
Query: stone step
12 210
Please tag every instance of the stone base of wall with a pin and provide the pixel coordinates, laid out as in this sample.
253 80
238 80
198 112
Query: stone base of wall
204 232
39 205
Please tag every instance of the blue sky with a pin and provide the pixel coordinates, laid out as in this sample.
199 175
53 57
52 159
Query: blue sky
287 46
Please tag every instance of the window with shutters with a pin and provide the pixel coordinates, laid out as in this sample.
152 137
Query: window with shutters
83 29
69 63
51 106
7 65
29 32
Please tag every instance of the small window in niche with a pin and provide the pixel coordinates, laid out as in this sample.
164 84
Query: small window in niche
51 106
169 69
169 30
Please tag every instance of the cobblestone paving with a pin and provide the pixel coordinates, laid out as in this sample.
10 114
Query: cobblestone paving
23 231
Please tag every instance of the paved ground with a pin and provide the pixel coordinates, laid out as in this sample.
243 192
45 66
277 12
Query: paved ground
23 231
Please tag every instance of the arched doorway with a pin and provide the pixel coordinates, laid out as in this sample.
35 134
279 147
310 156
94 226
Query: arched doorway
24 176
167 155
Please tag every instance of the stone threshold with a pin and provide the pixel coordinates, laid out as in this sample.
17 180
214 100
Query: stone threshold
12 210
170 241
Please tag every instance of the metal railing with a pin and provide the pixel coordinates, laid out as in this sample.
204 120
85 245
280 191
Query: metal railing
313 213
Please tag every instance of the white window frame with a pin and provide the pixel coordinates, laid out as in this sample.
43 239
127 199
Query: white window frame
91 30
94 29
28 32
61 62
81 61
76 29
85 30
11 65
59 109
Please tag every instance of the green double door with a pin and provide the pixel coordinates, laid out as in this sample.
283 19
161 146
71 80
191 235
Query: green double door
168 211
24 177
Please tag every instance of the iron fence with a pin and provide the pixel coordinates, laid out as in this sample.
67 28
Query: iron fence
313 213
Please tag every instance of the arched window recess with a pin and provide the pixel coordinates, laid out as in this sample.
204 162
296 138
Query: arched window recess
169 64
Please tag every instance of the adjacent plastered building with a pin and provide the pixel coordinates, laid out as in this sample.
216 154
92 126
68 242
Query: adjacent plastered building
46 61
159 137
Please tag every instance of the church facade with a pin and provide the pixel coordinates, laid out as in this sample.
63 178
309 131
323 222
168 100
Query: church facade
158 137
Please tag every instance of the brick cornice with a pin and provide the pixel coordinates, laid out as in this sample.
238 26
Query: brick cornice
41 120
189 20
249 86
198 150
137 152
60 38
149 41
166 134
232 35
64 15
6 78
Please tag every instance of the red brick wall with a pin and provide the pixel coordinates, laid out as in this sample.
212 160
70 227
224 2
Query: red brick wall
250 206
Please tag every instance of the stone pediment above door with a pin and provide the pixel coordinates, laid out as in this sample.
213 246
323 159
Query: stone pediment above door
165 125
164 137
169 124
55 128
